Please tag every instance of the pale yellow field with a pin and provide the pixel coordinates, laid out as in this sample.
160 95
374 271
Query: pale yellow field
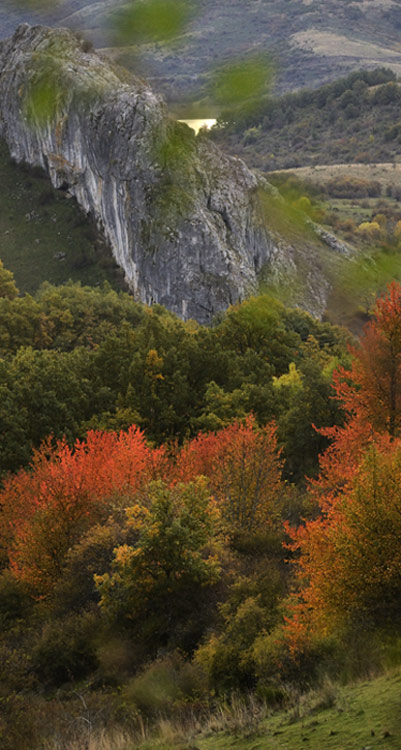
330 44
386 173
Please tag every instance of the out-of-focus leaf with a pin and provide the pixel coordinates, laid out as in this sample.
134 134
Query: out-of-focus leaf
143 21
283 217
242 82
45 93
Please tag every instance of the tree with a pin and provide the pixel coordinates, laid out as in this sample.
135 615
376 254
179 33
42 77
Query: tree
371 390
350 558
45 510
157 586
349 555
8 287
243 466
306 404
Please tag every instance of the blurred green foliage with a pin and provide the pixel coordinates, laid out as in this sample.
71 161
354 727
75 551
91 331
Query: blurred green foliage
146 21
46 92
242 83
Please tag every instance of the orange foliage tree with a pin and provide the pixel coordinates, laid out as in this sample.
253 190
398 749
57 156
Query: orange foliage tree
350 562
349 555
46 509
242 463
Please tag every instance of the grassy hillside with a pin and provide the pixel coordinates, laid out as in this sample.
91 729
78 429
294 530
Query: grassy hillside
354 120
363 716
366 715
45 236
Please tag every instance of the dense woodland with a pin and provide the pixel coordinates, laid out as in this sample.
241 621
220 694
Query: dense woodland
161 548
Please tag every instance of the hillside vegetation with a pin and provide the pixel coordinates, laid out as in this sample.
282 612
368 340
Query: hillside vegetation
200 525
361 205
356 119
166 568
45 236
362 715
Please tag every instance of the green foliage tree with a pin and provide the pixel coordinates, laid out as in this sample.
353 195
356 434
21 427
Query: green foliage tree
158 587
8 287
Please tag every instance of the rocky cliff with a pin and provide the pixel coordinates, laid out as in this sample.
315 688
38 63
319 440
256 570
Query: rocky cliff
184 221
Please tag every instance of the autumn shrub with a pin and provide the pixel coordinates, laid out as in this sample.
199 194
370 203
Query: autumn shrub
47 509
15 602
250 608
23 720
92 554
118 657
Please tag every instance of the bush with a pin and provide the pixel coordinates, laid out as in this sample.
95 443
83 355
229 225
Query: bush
65 649
352 187
15 602
166 684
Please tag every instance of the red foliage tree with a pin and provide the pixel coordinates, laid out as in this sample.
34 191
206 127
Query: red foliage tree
46 509
371 390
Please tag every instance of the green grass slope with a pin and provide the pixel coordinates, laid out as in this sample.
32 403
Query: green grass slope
367 715
46 237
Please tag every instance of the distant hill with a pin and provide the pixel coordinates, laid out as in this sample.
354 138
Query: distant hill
355 119
311 41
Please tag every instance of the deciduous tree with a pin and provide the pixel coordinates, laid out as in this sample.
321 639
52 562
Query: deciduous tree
242 463
47 508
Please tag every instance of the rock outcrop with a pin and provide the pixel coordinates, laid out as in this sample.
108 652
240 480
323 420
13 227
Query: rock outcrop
183 220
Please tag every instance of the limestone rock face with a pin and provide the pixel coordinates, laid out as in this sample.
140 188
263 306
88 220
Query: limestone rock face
183 220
